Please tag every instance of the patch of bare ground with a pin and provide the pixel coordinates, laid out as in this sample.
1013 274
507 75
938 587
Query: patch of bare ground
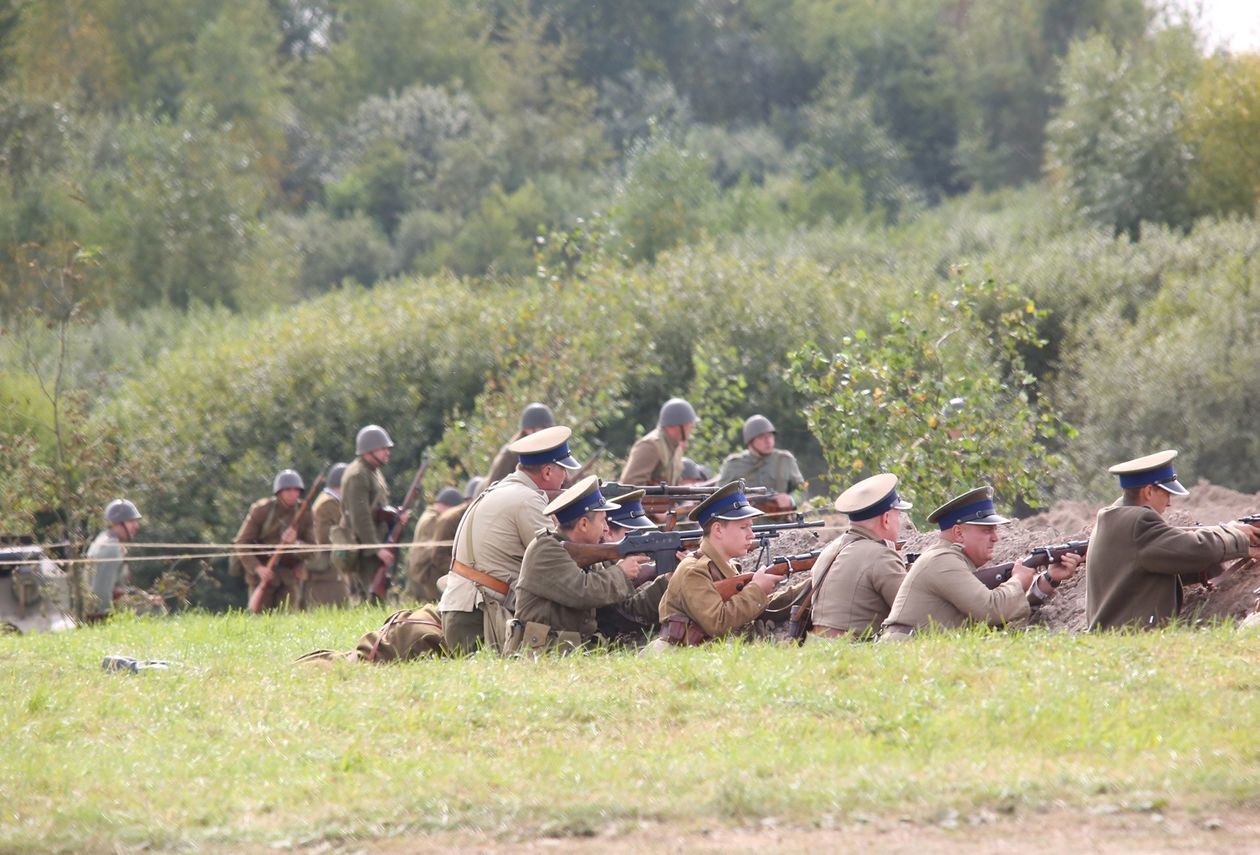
1104 829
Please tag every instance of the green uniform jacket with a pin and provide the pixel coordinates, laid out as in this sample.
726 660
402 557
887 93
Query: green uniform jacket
863 576
421 575
691 594
504 464
98 585
941 589
777 471
553 590
264 524
327 513
363 491
1136 560
653 460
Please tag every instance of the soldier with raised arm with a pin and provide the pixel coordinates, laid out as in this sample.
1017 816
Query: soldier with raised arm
942 591
1138 562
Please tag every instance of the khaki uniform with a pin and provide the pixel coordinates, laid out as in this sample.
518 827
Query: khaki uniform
264 524
1137 562
325 586
942 590
691 594
653 460
863 576
405 635
363 493
556 599
426 564
491 538
777 471
102 576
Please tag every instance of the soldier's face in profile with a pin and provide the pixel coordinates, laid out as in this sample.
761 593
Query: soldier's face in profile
1161 499
978 542
733 537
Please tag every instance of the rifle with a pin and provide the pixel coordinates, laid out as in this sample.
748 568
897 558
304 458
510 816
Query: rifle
380 582
784 565
1042 556
663 499
600 451
256 596
661 546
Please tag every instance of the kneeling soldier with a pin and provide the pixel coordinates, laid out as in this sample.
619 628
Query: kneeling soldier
555 598
692 611
857 576
941 588
1137 561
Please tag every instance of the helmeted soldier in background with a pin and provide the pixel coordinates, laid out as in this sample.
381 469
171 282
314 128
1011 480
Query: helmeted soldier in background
534 417
364 518
422 570
760 464
657 458
269 522
106 570
693 473
325 585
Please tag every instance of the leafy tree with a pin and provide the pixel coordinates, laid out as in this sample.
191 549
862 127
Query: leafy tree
882 402
663 199
1223 129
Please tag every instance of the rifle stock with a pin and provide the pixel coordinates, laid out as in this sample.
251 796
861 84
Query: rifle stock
784 565
380 581
257 596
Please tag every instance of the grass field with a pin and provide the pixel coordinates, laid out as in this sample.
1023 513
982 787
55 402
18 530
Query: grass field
237 746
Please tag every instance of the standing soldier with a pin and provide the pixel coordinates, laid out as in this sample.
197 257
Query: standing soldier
422 570
760 464
692 611
555 598
1138 562
941 589
534 417
106 569
325 586
857 576
364 518
657 457
269 522
491 541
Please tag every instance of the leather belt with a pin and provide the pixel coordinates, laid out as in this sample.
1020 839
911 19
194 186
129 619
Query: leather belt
472 574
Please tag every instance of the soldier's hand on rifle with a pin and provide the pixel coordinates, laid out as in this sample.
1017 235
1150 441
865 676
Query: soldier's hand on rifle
765 580
1023 573
289 535
1065 568
632 566
402 520
1253 534
265 574
386 556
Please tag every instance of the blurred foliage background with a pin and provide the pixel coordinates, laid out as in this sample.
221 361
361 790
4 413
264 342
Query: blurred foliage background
233 232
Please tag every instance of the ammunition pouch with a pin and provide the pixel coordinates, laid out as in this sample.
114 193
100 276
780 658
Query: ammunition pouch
682 631
531 639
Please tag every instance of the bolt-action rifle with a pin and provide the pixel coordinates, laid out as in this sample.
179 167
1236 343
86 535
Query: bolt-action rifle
258 595
784 565
380 582
1042 556
662 500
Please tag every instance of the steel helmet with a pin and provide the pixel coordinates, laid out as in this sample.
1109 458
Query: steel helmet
121 510
287 479
449 496
755 426
371 438
537 416
676 411
473 486
335 473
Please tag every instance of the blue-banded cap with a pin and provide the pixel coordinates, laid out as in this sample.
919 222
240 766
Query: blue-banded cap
1154 469
580 499
630 513
549 445
871 497
727 503
974 507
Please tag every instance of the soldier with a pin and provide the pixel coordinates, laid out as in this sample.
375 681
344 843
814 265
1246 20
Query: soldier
1138 562
555 598
534 418
693 474
857 576
629 620
692 611
491 539
106 570
270 521
325 585
628 516
760 464
364 518
657 457
941 588
422 570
